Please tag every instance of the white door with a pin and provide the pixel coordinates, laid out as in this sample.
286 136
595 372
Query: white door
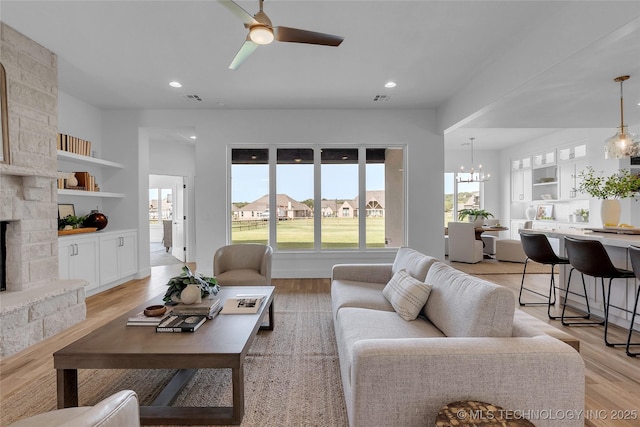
177 229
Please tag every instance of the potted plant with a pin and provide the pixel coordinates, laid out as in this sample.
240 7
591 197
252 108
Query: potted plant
70 222
582 215
207 285
474 215
609 189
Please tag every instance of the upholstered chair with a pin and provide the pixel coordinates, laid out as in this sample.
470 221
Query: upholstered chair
243 264
119 409
463 245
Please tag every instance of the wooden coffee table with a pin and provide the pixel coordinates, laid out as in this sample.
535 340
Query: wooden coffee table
219 343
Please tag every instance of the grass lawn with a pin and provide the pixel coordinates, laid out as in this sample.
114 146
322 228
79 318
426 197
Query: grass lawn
337 233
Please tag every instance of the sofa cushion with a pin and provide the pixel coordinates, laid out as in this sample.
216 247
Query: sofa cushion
406 294
355 324
461 305
349 293
416 263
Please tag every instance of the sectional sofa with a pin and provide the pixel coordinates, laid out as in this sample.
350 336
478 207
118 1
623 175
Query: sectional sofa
467 343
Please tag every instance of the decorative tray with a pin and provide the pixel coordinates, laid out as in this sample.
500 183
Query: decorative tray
616 230
77 231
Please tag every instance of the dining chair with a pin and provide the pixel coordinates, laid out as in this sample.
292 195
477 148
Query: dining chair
590 258
463 245
634 255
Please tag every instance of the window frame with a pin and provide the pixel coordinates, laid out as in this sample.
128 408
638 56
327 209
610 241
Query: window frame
317 197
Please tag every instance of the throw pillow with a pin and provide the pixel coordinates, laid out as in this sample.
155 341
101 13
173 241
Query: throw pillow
406 294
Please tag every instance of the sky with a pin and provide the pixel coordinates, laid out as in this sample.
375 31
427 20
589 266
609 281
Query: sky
250 182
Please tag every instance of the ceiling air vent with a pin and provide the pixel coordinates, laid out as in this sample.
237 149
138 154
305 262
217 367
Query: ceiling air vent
193 98
380 98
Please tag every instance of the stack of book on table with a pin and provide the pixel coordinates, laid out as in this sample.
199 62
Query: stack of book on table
181 322
208 307
139 319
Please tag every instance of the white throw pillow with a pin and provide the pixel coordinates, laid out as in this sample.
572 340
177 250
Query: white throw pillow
406 294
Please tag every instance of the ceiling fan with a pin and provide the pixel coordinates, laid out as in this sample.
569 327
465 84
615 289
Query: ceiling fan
261 31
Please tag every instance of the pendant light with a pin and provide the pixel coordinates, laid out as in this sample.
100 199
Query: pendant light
624 143
472 175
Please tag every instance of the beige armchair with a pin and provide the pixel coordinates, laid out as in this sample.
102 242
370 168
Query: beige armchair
463 245
243 264
117 410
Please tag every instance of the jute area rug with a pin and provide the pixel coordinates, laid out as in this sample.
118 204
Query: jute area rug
292 375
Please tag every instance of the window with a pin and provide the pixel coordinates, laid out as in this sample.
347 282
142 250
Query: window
160 205
250 196
317 196
458 196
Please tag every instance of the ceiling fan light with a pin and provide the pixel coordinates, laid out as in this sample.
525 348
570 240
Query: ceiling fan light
261 34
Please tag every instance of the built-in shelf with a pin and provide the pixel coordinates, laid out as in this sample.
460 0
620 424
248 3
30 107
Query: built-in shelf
541 184
77 158
83 193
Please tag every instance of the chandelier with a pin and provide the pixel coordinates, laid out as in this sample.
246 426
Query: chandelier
624 143
473 175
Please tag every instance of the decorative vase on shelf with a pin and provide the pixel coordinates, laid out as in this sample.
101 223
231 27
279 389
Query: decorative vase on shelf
530 212
610 212
96 219
72 181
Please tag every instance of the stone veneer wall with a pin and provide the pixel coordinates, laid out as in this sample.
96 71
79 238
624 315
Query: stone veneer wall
36 304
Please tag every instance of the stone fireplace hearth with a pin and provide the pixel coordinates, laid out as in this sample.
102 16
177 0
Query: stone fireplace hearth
36 304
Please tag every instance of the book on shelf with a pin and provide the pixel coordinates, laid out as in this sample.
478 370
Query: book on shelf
208 307
139 319
243 304
181 323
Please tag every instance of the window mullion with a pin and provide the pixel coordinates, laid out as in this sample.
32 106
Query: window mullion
273 208
362 199
317 199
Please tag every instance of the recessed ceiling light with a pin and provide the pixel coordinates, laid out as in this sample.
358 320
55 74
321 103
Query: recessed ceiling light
175 84
192 137
389 85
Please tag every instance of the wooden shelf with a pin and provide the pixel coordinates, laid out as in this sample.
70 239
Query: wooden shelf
77 158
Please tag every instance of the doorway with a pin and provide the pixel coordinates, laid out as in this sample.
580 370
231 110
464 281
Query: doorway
167 241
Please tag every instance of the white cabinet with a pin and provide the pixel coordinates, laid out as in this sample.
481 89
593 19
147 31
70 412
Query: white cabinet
104 259
78 259
544 159
521 179
545 183
572 159
118 256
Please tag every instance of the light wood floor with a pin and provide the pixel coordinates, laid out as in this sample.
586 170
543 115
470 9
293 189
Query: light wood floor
612 378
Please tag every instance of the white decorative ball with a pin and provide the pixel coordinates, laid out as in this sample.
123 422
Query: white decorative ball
190 294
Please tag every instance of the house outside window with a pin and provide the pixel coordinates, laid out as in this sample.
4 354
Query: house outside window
460 195
309 198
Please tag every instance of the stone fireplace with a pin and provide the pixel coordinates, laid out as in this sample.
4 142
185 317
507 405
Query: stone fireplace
36 304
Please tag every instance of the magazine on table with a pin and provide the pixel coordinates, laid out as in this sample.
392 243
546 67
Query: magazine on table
243 304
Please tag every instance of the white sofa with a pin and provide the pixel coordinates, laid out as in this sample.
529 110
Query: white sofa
467 344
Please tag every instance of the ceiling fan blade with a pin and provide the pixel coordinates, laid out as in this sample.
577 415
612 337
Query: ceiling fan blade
244 16
294 35
247 49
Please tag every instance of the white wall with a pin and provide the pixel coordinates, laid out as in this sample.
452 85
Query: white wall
217 129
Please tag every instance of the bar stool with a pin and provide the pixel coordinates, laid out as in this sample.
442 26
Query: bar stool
634 255
537 248
589 257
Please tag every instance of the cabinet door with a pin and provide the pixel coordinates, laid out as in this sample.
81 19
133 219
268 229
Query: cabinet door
517 186
84 264
567 181
128 255
109 259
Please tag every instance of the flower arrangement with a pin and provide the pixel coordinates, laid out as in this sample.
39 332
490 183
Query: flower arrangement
620 185
583 213
208 285
70 222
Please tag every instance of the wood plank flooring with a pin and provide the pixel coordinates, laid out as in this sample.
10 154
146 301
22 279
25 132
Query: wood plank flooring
613 379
